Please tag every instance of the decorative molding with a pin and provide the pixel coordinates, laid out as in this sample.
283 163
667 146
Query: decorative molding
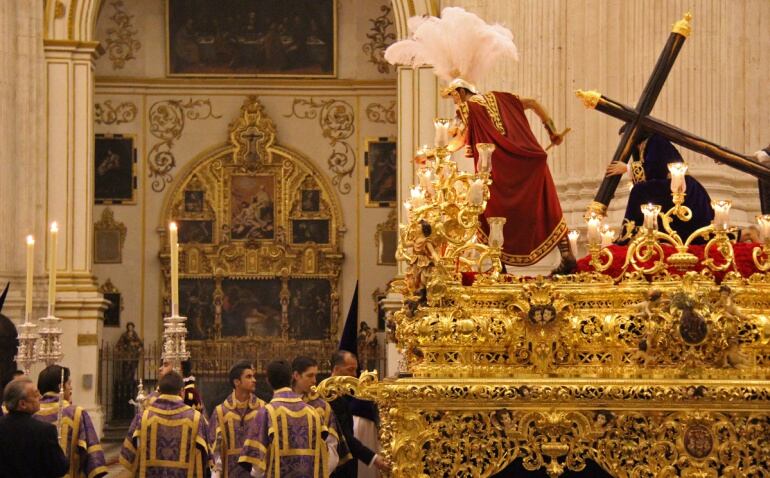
59 10
109 238
120 42
379 113
167 122
105 113
337 121
381 35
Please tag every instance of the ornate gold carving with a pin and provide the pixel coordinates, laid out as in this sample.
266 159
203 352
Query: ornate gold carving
489 102
109 238
121 42
380 36
590 98
105 113
59 9
683 26
167 122
379 113
337 121
261 240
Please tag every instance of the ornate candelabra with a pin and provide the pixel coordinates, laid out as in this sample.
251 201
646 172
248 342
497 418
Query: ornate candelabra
49 347
140 399
26 354
761 255
174 341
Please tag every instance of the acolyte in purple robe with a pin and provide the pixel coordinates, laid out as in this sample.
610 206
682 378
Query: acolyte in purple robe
168 440
286 439
227 432
78 437
333 427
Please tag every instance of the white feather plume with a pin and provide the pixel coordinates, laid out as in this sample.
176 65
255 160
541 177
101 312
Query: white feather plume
459 44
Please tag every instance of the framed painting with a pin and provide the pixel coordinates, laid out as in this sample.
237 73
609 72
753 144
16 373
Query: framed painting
310 200
252 207
304 231
111 294
380 183
251 308
109 237
309 309
196 302
193 201
251 38
114 163
197 232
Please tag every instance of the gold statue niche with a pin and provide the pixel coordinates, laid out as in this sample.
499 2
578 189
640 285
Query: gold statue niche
260 233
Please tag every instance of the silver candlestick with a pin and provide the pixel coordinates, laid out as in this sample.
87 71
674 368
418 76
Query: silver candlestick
50 349
174 341
26 354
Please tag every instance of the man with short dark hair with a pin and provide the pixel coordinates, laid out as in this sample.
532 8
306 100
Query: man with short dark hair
153 446
345 364
29 448
79 439
287 438
230 420
13 376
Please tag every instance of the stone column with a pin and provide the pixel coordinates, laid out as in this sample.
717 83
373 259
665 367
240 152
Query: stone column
70 89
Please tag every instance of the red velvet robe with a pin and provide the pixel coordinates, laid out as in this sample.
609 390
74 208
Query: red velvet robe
522 189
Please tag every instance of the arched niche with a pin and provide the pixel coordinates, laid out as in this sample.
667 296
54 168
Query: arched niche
260 246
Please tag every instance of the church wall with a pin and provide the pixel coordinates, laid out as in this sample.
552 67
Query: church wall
717 89
142 82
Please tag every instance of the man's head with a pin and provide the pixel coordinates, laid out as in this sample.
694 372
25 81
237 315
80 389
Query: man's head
279 374
460 95
242 378
344 364
171 384
49 380
21 395
303 373
165 367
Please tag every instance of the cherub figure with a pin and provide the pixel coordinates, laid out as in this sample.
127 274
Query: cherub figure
423 261
729 308
651 307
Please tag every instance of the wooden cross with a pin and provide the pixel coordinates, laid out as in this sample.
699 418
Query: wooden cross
638 120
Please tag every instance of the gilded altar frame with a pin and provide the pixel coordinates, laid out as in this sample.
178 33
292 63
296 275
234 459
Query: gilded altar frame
251 250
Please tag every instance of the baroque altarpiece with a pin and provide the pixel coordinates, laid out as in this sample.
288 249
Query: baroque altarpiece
260 234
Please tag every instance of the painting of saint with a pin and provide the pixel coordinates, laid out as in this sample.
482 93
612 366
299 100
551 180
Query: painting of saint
310 230
265 37
309 309
114 169
193 201
196 232
197 304
252 207
381 179
251 308
311 200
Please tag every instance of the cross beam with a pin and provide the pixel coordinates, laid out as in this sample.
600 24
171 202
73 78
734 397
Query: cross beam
679 34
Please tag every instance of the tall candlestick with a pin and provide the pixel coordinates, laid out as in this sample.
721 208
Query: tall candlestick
442 131
174 247
52 269
763 223
721 213
485 157
30 274
650 212
573 238
608 235
594 235
678 170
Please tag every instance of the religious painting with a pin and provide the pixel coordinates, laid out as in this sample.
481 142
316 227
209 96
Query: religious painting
114 160
251 308
252 206
196 232
305 231
309 309
380 161
193 201
196 302
310 200
251 38
107 246
112 314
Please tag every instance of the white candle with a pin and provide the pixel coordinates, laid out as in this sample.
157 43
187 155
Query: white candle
496 237
763 223
476 193
418 197
485 157
174 248
52 269
721 213
573 238
650 212
442 131
30 275
426 180
594 235
608 235
678 170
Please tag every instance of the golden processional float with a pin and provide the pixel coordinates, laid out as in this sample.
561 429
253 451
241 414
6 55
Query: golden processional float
658 369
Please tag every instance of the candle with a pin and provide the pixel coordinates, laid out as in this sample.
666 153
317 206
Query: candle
721 213
594 235
763 223
485 157
476 193
52 269
442 131
418 197
678 170
650 212
30 274
174 247
496 237
426 180
608 235
421 155
573 238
